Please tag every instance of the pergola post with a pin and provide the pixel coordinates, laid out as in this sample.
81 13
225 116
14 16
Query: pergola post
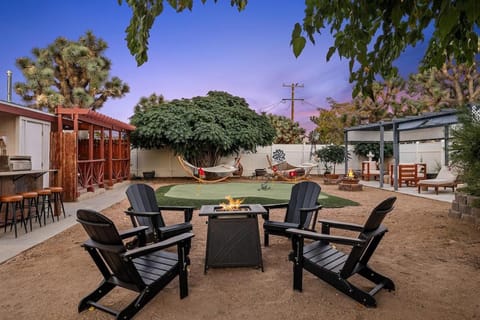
345 138
110 157
396 155
382 149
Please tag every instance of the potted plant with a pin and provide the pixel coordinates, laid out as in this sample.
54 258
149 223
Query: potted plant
331 156
465 157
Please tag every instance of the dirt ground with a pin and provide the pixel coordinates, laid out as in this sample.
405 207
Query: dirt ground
434 261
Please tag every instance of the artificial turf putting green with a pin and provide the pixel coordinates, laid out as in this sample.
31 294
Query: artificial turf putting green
195 194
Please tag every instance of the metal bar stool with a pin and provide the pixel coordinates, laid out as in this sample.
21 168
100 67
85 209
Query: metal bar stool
44 200
57 194
15 204
30 202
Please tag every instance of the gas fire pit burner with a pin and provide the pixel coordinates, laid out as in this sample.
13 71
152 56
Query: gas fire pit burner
242 209
233 239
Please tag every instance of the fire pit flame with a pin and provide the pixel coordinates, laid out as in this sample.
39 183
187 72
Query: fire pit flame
232 205
350 174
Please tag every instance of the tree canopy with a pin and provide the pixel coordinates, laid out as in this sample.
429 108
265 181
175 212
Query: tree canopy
287 131
465 149
202 129
370 34
70 74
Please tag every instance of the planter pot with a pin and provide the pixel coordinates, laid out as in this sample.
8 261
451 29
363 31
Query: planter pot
332 176
350 181
149 174
462 208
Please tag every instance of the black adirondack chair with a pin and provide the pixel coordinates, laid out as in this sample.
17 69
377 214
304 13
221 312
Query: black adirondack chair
300 210
145 211
336 267
145 270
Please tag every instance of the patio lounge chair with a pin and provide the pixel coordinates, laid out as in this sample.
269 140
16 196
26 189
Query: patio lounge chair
322 258
370 169
445 178
300 210
145 270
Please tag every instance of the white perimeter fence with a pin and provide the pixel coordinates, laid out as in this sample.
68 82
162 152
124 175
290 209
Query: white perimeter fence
165 164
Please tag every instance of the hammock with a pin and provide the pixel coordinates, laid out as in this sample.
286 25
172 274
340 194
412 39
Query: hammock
290 172
224 171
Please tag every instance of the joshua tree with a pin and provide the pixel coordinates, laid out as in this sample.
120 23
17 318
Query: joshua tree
287 131
69 73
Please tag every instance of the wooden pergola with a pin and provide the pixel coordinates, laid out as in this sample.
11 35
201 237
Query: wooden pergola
90 150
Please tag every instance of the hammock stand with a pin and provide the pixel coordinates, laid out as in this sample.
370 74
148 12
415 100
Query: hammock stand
198 173
289 172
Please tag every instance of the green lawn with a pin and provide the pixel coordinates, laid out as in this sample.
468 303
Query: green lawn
195 194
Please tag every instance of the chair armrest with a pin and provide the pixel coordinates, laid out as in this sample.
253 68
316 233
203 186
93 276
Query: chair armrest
275 206
142 214
106 247
326 237
268 207
141 251
318 207
137 231
187 210
340 225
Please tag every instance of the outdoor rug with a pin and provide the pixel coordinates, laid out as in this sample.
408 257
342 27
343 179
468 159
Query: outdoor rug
195 194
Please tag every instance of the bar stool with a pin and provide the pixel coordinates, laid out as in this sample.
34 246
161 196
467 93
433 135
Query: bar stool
44 200
30 202
57 194
15 204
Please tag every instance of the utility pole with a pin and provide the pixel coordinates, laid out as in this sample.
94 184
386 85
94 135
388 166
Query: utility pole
292 99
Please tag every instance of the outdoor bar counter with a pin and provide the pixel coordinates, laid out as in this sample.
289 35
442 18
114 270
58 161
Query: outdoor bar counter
12 182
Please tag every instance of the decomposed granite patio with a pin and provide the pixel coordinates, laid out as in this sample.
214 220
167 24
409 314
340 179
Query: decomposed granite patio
434 261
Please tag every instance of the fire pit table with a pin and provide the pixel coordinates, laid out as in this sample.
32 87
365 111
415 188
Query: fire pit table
233 239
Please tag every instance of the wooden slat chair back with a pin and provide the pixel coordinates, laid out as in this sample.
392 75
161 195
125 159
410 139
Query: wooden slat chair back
336 266
145 270
142 199
372 233
102 231
304 195
145 211
301 211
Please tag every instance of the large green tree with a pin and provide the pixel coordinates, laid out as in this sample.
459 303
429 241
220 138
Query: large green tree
69 73
371 34
202 129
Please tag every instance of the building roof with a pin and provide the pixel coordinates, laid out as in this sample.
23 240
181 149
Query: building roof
18 110
427 126
84 116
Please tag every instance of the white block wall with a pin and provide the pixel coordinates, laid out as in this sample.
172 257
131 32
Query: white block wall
165 163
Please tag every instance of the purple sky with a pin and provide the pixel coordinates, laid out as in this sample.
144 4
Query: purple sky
214 47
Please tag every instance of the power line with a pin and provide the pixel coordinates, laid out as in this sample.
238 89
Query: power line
292 86
313 105
270 106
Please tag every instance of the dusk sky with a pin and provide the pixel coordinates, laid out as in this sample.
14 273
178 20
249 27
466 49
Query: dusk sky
214 47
